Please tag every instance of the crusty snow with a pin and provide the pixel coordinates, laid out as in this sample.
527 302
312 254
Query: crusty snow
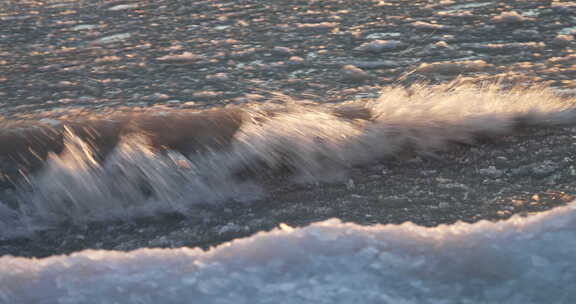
520 260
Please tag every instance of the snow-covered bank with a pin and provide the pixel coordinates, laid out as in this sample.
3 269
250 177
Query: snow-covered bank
521 260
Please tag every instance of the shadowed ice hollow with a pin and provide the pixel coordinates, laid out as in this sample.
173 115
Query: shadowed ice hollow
520 260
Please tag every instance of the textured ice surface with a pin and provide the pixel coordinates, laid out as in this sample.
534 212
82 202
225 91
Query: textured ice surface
521 260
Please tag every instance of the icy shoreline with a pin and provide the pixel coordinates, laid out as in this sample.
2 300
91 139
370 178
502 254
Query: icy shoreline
520 260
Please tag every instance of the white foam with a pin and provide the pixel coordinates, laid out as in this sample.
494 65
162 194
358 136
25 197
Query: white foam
134 182
315 141
521 260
